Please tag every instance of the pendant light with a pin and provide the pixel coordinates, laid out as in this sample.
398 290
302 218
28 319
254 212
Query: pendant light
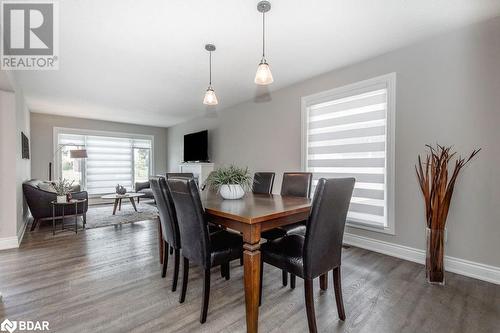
210 97
263 75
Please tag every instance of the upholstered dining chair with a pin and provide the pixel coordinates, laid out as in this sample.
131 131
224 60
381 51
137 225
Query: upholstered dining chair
199 246
180 175
295 184
169 225
263 182
320 250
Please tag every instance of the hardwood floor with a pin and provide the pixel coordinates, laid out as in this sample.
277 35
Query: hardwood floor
108 279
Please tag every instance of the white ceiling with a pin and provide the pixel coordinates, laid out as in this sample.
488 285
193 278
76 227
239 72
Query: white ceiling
144 62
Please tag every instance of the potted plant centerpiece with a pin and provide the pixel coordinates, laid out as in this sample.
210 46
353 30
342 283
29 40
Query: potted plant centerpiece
231 182
62 188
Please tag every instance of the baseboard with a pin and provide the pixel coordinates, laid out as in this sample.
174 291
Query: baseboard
14 242
456 265
8 243
21 231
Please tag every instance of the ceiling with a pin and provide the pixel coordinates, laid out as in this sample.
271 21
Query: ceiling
144 62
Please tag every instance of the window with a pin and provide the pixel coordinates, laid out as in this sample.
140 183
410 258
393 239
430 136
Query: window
349 132
112 159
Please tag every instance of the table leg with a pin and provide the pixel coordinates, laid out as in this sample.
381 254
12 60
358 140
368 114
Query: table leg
62 224
160 242
76 217
53 219
120 204
251 261
133 203
114 207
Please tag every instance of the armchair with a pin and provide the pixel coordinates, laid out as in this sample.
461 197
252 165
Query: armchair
144 187
38 201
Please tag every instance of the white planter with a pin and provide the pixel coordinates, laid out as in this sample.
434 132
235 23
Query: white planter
61 199
231 192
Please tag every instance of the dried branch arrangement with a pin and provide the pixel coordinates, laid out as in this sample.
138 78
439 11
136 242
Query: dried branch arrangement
438 190
433 179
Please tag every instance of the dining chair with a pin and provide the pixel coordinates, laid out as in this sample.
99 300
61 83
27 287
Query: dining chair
169 225
180 175
263 182
295 184
198 245
320 250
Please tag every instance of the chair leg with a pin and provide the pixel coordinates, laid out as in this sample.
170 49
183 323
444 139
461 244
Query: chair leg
185 273
338 293
292 281
284 277
222 271
309 296
261 280
33 224
176 269
165 259
227 271
323 281
206 296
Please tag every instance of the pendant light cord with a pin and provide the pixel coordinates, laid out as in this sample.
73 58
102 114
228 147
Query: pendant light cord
263 36
210 69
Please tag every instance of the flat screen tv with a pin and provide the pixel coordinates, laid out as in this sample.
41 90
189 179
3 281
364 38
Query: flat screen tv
196 147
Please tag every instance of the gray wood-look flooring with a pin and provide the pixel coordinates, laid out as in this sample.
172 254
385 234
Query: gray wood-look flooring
108 280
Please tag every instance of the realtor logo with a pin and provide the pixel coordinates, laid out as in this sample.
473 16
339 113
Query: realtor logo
30 35
8 325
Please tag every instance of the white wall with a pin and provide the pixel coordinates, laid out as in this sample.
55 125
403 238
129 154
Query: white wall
14 213
23 166
448 91
8 218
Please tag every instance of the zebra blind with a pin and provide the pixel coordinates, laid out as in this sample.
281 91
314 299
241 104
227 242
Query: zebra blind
110 160
346 136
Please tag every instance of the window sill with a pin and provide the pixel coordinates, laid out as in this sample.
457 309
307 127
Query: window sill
381 229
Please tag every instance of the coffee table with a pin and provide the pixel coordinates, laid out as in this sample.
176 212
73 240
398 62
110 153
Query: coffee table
118 199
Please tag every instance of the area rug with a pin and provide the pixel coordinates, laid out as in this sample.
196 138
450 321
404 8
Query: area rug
102 215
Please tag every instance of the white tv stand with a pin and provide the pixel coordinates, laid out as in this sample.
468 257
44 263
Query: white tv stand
200 170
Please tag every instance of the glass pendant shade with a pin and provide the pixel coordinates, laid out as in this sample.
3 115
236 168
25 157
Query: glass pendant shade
263 75
210 97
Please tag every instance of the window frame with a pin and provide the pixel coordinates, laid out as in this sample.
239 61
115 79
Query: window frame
389 80
85 132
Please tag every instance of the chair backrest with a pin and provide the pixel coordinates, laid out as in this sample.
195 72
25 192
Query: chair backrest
180 175
263 182
297 184
166 209
192 224
325 228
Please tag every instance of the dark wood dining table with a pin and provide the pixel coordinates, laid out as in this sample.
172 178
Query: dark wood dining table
250 216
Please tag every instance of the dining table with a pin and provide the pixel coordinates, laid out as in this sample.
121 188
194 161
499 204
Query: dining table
250 216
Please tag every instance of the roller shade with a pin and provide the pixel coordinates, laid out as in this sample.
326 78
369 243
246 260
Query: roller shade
110 160
346 136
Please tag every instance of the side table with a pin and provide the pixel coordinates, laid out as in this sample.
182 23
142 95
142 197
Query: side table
73 202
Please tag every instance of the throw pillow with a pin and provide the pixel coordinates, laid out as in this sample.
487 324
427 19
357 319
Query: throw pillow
46 186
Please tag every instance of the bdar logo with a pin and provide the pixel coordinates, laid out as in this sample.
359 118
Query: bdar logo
8 325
